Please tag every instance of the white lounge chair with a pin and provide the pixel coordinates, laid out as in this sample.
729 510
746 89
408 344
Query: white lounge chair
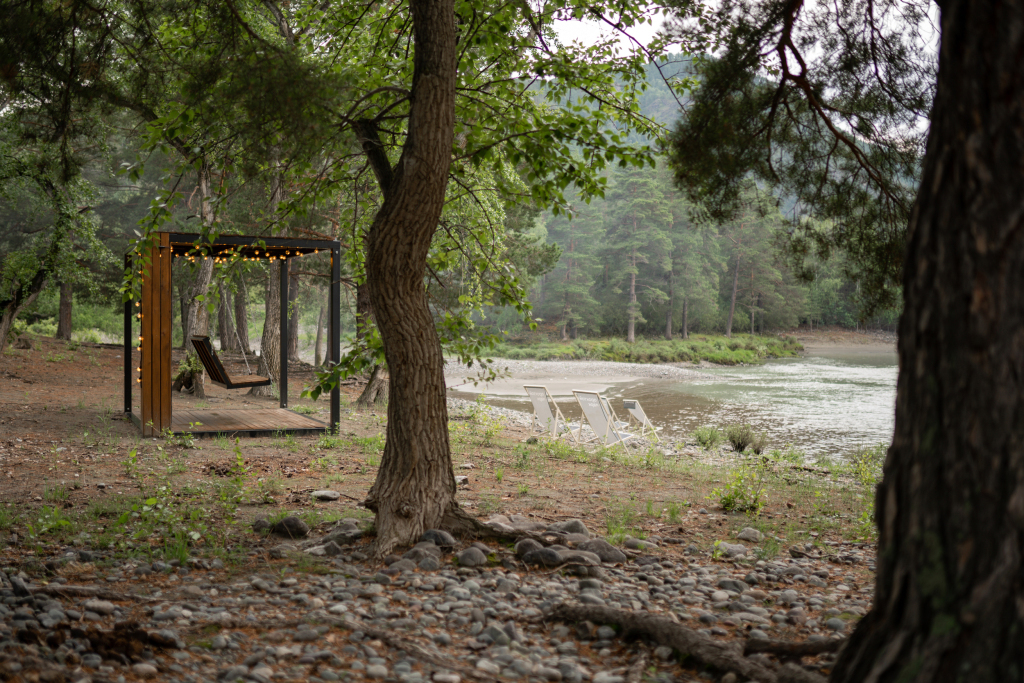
545 421
619 424
595 413
637 413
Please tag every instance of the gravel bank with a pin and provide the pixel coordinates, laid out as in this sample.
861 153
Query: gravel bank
530 369
438 618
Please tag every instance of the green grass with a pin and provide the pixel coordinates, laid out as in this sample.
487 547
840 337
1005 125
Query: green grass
741 348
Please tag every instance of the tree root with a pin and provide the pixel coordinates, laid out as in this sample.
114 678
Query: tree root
724 656
635 672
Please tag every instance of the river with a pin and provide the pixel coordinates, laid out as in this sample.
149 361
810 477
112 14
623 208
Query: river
828 402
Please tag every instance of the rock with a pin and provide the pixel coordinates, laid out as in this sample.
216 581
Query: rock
442 539
417 553
86 556
732 585
22 343
663 652
281 551
750 534
144 670
100 607
572 526
543 557
719 596
290 527
402 565
429 564
579 557
261 525
332 549
488 667
462 480
472 557
19 587
732 550
326 495
525 545
789 597
376 671
757 633
440 677
604 550
305 635
607 677
836 624
637 544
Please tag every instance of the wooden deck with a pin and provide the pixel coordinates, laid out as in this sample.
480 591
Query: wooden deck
242 422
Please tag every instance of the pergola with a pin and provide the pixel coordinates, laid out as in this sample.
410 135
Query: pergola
153 374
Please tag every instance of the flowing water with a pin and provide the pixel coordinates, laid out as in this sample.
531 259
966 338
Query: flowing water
829 402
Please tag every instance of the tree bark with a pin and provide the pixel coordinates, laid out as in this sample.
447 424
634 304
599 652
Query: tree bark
242 319
224 326
415 487
949 591
293 322
671 305
631 325
732 305
376 390
269 364
686 316
317 355
64 312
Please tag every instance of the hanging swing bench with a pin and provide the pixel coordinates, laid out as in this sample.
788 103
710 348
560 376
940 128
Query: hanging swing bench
154 381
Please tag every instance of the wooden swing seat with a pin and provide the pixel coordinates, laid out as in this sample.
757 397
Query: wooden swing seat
218 375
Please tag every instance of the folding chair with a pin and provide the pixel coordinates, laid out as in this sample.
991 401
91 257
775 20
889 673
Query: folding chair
600 420
544 420
619 424
637 413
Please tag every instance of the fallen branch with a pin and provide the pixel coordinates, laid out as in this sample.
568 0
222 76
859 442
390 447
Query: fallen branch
65 591
785 648
724 656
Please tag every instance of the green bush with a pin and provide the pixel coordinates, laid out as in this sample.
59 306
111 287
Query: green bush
759 444
740 436
708 437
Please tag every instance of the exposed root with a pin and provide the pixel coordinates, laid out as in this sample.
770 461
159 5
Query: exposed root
785 648
724 656
635 672
65 591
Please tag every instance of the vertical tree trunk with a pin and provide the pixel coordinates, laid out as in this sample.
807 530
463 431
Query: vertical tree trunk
269 364
293 322
686 316
950 511
631 324
317 355
242 319
732 305
415 486
224 327
671 305
64 312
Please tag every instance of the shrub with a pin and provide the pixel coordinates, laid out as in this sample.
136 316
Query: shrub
708 437
740 436
760 443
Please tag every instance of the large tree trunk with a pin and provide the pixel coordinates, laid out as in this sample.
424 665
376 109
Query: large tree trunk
224 326
242 319
415 487
686 316
197 316
376 390
949 597
64 311
732 305
293 322
318 357
270 343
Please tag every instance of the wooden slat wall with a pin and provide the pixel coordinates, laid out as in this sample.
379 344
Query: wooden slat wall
156 338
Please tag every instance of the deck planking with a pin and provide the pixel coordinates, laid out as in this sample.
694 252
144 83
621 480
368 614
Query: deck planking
251 422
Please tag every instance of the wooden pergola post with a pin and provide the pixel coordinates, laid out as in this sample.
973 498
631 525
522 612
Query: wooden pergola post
155 336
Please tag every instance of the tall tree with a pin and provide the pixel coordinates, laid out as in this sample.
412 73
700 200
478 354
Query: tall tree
637 235
950 509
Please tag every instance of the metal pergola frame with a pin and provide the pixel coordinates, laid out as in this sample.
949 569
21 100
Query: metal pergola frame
155 307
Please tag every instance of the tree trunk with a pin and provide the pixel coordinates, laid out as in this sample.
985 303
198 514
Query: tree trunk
631 324
269 364
10 312
242 319
686 316
293 322
64 312
224 327
671 305
376 390
949 592
415 486
317 355
732 306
